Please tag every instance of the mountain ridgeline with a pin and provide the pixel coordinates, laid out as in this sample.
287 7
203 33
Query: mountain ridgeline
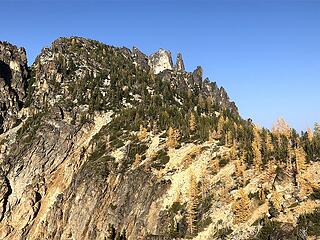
101 142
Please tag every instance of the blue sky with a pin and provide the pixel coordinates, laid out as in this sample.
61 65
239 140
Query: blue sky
265 53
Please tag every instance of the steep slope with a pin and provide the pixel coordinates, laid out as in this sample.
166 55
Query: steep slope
110 143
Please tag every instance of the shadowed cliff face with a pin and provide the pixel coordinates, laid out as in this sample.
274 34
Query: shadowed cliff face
13 79
105 142
5 73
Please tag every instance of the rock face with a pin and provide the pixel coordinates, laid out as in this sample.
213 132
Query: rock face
110 145
13 76
161 61
179 63
140 59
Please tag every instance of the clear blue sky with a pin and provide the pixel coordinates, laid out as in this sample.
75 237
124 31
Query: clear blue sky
265 53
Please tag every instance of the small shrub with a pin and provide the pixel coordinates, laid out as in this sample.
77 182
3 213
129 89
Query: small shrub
223 162
310 222
223 233
160 160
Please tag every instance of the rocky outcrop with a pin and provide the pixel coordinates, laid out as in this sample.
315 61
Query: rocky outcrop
140 59
179 63
197 75
13 77
160 61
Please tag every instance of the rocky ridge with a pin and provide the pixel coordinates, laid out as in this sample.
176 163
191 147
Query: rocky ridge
112 143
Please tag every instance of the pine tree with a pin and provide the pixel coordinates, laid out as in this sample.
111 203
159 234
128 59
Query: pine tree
111 232
201 102
189 93
209 103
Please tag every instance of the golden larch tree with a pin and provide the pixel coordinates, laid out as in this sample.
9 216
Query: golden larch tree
241 207
189 93
310 134
193 203
209 103
205 183
142 134
178 195
233 153
214 166
269 144
256 149
301 160
281 127
137 159
240 168
229 141
220 126
173 137
276 199
201 102
213 135
291 154
301 165
192 122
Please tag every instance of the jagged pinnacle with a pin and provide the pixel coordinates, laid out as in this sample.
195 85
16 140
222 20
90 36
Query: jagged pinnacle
179 64
160 61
